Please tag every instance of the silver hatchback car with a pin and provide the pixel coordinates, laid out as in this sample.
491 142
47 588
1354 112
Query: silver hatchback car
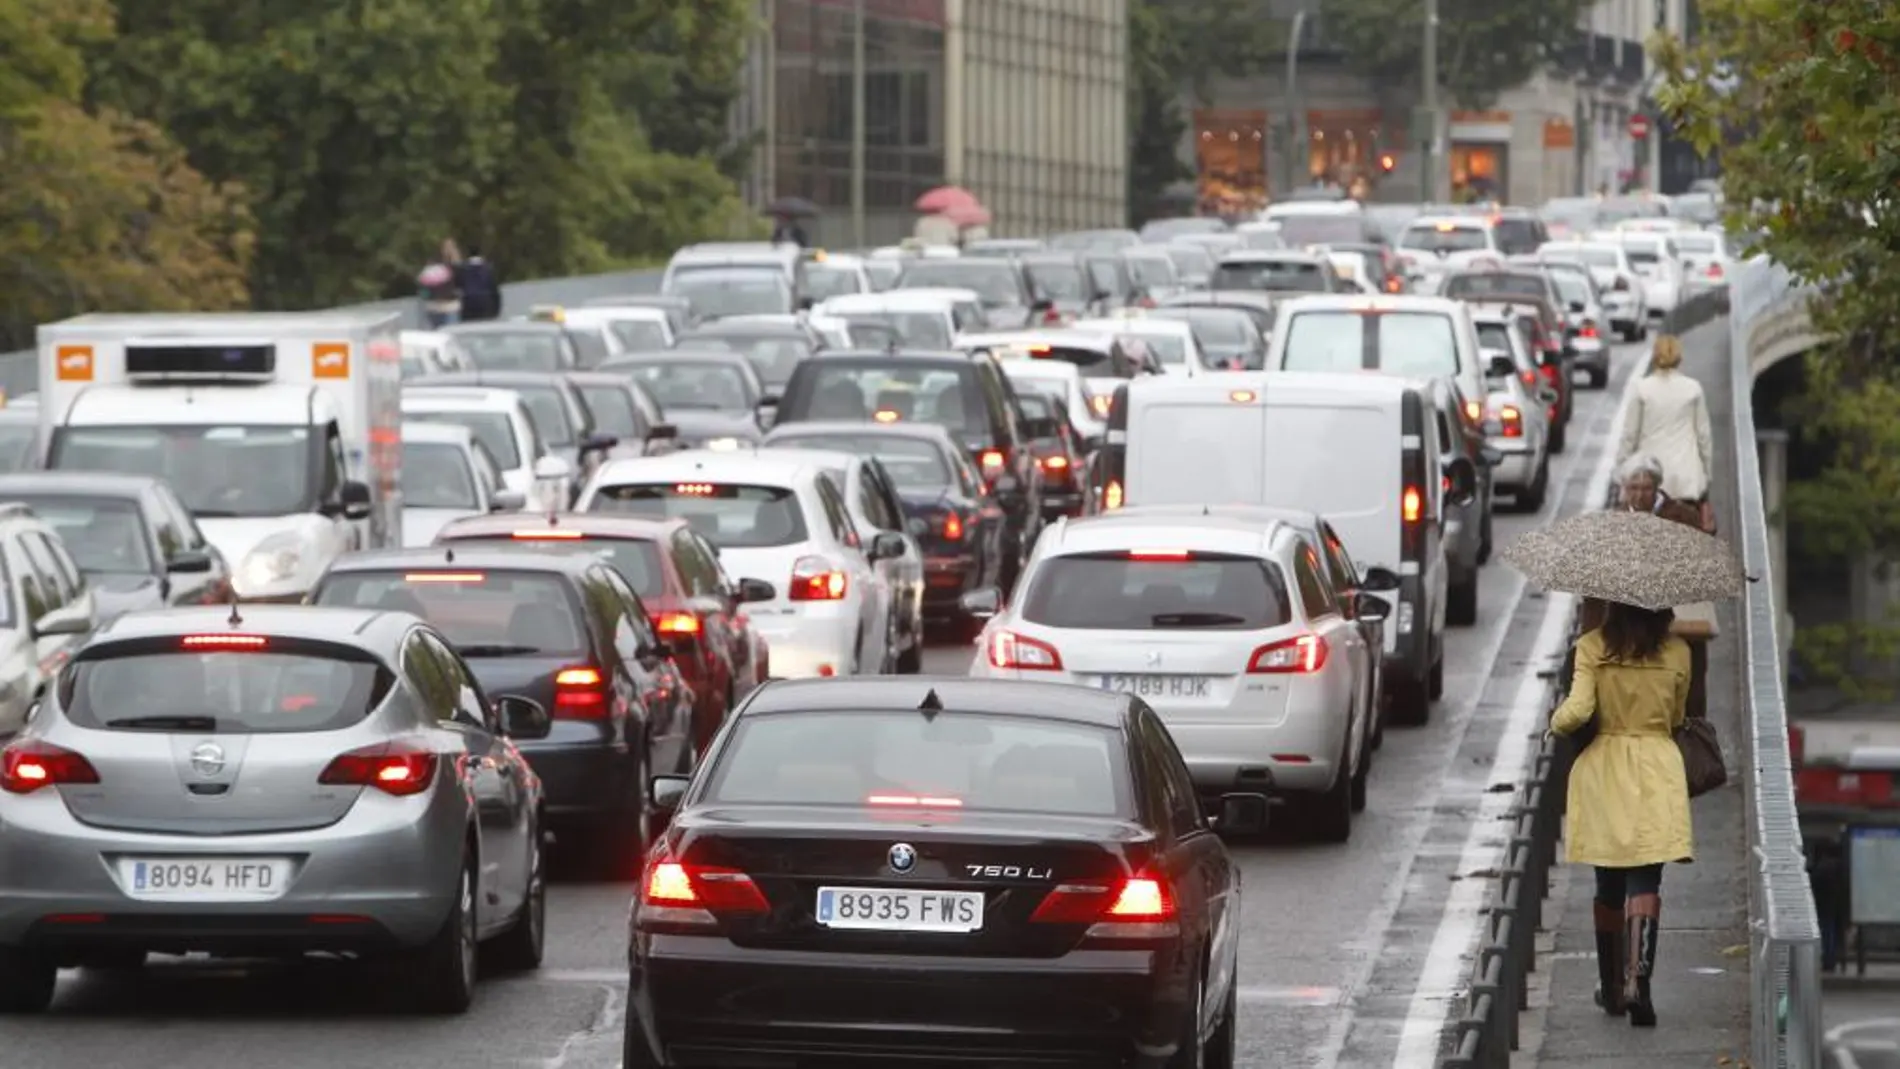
284 781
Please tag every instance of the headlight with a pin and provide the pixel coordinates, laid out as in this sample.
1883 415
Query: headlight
275 562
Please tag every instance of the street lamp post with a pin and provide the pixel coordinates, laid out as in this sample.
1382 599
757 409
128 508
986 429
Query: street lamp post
1428 101
1295 127
857 126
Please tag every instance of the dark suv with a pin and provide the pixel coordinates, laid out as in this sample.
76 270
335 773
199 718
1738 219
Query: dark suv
968 395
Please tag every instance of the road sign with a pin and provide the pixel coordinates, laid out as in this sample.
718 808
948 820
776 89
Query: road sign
1639 126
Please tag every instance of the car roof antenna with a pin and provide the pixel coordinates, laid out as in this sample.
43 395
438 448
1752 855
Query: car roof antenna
931 705
448 556
236 619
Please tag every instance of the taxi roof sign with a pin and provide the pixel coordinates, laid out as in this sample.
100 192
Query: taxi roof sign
548 313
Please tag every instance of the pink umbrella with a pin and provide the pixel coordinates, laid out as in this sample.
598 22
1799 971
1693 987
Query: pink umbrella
967 215
943 197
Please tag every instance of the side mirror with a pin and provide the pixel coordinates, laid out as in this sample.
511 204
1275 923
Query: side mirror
1548 395
917 527
662 432
522 718
1370 607
1242 814
598 443
507 501
354 500
766 412
189 562
981 604
666 792
888 545
658 651
1041 305
1379 579
1578 307
1464 481
55 624
1500 366
752 590
552 469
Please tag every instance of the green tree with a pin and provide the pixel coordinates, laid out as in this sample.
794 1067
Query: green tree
98 211
1802 99
689 79
1484 46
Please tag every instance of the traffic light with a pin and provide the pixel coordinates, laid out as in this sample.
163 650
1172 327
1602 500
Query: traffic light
1388 163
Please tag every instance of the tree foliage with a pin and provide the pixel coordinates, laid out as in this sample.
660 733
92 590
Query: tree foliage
1802 99
1484 46
98 211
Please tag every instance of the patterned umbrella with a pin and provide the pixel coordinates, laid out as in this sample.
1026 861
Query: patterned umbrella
943 197
1635 558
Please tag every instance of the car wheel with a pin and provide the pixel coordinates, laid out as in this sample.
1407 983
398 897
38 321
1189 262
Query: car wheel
1558 431
911 661
520 948
1461 603
633 1047
1599 378
1531 498
1411 701
1221 1048
1435 686
1188 1051
445 966
26 981
1332 811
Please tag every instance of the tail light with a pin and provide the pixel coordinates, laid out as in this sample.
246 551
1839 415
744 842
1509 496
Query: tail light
1112 496
676 623
1513 420
30 764
814 579
1007 649
1055 463
1589 329
1412 504
1145 302
1301 655
580 693
1474 412
1052 316
992 461
1139 906
1529 377
393 768
1714 271
953 528
1100 403
711 891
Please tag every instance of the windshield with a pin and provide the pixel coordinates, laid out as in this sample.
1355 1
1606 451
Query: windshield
1190 261
1573 286
1290 275
1495 337
968 761
494 430
1122 591
1496 283
1642 255
773 356
613 411
718 294
910 462
636 559
638 335
483 614
1057 281
1588 255
1168 348
16 446
1298 230
104 534
1413 344
1223 333
217 471
1152 270
1611 212
1433 237
527 351
890 395
702 387
918 330
437 476
731 517
993 280
1697 244
829 280
247 692
547 410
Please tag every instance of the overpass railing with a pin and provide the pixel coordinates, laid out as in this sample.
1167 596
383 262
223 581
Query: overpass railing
1784 929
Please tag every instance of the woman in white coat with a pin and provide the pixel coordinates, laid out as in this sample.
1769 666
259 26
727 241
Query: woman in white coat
1669 420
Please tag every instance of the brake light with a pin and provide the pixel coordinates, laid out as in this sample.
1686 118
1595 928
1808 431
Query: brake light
1055 463
1307 653
1243 397
1444 484
1513 420
30 764
814 579
445 577
1052 316
1100 403
923 801
677 623
1474 411
1529 377
548 534
224 642
953 528
1589 329
1157 554
715 890
1112 497
393 768
992 461
1136 900
1715 270
1412 504
1022 653
885 415
580 693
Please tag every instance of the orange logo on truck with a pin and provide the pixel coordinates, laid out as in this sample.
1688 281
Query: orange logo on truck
74 363
330 360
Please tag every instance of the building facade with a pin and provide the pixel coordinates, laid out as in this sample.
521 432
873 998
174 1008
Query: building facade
1021 101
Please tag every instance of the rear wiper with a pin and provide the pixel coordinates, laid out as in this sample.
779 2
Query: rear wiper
213 514
165 723
496 650
1194 619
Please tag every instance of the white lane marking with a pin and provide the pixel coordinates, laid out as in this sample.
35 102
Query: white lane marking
1447 964
1291 996
572 976
606 1020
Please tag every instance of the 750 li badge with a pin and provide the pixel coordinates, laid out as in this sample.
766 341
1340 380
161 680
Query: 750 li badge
1009 872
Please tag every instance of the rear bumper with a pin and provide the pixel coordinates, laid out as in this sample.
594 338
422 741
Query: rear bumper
583 781
1240 759
1057 502
704 1001
1518 467
946 580
809 645
1590 354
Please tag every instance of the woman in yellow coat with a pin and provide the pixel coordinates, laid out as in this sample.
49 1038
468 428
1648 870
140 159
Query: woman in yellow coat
1629 799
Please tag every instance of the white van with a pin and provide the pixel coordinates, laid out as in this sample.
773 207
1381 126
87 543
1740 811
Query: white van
1408 336
1360 450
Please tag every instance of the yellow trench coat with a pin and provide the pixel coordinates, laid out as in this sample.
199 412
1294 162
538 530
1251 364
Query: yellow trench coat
1629 799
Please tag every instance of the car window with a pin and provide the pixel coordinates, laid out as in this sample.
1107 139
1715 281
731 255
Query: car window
430 677
1419 344
1444 237
734 515
72 582
18 441
835 511
1297 276
103 534
1316 594
639 335
695 386
633 630
871 501
1496 282
54 589
469 706
1158 590
908 462
994 281
1517 235
288 688
1338 565
497 612
549 413
1177 795
493 429
34 597
181 517
436 475
525 351
614 412
699 574
891 394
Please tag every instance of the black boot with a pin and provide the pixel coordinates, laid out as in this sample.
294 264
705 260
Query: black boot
1643 921
1609 926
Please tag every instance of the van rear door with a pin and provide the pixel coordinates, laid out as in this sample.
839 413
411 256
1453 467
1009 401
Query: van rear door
1341 458
1188 451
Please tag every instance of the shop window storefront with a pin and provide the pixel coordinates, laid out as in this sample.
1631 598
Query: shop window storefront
1230 153
1479 171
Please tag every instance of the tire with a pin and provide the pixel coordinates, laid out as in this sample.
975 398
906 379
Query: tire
1221 1048
1189 1049
1599 378
1531 499
1558 432
520 948
444 969
26 982
633 1047
1332 810
911 661
1411 701
1362 780
1435 686
1461 602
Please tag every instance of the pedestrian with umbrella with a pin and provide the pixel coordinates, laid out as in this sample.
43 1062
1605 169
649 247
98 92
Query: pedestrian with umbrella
1643 757
786 212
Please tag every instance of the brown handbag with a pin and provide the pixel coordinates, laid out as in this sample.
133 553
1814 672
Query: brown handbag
1702 763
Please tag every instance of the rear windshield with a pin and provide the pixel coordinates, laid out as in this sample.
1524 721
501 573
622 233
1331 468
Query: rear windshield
910 462
1159 591
539 351
822 281
1494 336
715 294
919 330
1490 283
224 692
639 335
901 759
103 534
890 395
1292 276
1431 238
1319 229
1410 343
483 613
547 410
1057 281
1588 255
694 387
773 356
735 517
613 411
1152 270
636 559
1573 286
16 445
1642 254
494 430
1697 244
1190 261
437 476
994 281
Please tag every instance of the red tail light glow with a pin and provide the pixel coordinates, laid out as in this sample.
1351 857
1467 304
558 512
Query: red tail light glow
580 693
1101 403
29 764
714 890
224 642
1307 653
1007 649
1589 329
953 528
548 534
1136 900
1412 504
677 623
1513 420
814 579
992 461
695 489
923 801
1158 554
1052 316
1474 411
1055 463
445 577
393 768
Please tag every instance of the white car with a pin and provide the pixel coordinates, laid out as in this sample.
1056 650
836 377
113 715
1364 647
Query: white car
1705 259
1619 285
1063 381
431 352
783 522
1658 263
920 319
1433 246
622 328
830 274
1418 337
1516 410
447 474
1171 340
500 421
1227 626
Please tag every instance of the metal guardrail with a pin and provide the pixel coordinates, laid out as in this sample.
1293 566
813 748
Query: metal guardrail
1784 930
